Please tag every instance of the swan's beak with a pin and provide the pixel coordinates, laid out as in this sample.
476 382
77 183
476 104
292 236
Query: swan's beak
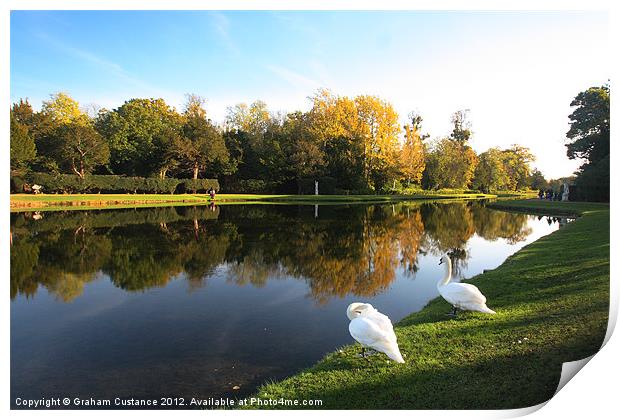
440 262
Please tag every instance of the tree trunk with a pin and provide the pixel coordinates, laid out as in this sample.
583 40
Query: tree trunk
195 170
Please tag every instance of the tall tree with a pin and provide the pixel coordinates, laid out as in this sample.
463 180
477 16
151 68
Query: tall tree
201 147
538 181
449 164
379 132
23 149
334 123
462 126
80 147
517 161
490 174
136 134
307 158
412 161
589 125
61 108
589 140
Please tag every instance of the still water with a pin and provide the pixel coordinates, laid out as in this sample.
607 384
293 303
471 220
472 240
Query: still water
191 302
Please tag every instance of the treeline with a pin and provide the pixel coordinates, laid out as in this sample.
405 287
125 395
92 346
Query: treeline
351 145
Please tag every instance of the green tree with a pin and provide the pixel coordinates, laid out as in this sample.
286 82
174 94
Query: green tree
201 147
538 181
462 126
23 149
449 164
80 147
490 174
517 161
451 161
588 139
137 133
589 125
307 157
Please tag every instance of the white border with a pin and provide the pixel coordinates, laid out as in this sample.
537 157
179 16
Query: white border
593 393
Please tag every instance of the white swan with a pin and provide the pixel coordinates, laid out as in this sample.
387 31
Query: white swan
373 329
462 296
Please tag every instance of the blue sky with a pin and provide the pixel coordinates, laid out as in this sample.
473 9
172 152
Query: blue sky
516 71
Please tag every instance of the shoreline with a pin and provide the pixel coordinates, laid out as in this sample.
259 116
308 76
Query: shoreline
50 202
552 303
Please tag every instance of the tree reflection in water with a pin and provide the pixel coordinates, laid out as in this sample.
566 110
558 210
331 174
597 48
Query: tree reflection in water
347 250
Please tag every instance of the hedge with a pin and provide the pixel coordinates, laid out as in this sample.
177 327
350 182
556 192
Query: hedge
65 183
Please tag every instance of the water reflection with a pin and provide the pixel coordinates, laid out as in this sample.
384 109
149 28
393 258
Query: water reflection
347 250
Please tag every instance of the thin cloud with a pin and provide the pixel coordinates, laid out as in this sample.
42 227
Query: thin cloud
100 62
221 26
292 77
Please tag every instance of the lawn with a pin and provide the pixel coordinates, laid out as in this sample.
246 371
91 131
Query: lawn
552 303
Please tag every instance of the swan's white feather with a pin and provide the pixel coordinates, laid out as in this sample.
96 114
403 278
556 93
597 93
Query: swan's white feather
465 296
374 329
461 295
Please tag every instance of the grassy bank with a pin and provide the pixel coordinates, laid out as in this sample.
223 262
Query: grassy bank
30 202
551 299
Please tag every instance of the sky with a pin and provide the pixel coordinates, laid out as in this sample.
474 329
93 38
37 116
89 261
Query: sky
516 72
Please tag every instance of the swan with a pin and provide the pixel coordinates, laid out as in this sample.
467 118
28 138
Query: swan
373 329
462 296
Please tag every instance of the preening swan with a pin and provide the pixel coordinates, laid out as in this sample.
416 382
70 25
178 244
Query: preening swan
462 296
373 329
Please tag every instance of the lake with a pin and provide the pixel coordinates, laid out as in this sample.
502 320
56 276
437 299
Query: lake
195 301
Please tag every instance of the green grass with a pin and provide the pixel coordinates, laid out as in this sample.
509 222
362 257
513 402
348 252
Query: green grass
42 202
552 303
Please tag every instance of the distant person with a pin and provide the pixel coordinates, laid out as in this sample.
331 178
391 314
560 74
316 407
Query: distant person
541 194
212 193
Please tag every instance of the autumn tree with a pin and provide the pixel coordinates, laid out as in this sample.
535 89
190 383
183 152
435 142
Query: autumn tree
335 125
412 162
379 132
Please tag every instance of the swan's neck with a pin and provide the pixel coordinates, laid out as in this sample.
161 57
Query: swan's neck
447 274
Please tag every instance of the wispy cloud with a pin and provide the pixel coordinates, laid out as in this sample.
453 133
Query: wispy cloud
292 77
110 67
221 26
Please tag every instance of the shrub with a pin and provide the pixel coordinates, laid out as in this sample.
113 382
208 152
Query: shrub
65 183
199 185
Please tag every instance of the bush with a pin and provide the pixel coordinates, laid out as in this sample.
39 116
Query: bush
199 185
250 186
65 183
